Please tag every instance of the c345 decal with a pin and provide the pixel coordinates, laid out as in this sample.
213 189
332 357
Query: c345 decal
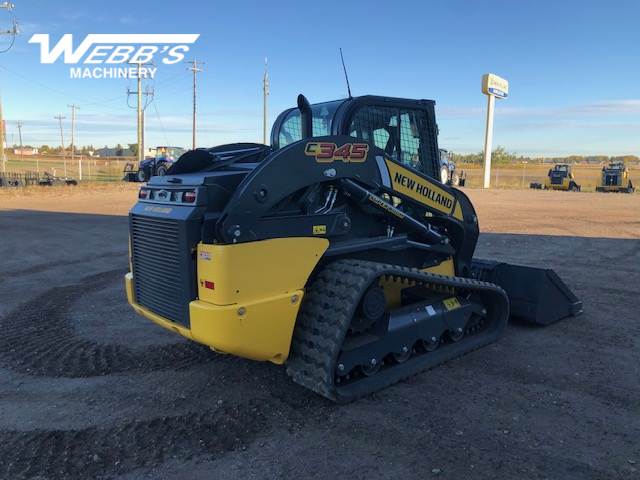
326 152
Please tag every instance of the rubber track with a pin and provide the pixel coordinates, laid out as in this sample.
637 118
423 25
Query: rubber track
326 313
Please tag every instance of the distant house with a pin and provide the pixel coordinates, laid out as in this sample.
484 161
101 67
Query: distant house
25 151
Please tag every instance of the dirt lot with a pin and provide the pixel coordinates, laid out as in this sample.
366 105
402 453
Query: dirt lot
89 389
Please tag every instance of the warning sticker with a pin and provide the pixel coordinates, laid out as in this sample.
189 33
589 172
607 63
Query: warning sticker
451 303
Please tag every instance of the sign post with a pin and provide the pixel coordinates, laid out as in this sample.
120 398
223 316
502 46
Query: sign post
492 86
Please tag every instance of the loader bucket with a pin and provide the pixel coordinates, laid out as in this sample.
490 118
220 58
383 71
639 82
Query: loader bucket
536 295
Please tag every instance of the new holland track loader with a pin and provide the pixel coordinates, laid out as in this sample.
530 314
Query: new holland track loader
560 177
335 251
615 178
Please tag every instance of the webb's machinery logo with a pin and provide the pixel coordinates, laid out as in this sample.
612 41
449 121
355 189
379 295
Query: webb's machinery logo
116 49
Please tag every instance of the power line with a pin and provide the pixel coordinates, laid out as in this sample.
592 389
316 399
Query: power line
160 123
82 100
140 108
14 24
195 70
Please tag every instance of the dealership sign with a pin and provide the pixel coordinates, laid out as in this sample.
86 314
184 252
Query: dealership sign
116 54
494 85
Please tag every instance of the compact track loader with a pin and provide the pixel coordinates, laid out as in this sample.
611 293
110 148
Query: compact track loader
615 178
335 251
560 177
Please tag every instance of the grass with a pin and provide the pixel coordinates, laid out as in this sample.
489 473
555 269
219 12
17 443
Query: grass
92 169
519 176
104 170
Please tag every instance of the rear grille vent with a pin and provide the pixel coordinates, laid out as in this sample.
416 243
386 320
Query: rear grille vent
162 276
613 180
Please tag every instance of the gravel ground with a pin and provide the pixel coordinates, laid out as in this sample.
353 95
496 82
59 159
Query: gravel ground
89 389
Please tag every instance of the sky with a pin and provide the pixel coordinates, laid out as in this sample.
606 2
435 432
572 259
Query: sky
573 69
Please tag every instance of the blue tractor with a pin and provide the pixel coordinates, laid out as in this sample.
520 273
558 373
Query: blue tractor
448 173
152 166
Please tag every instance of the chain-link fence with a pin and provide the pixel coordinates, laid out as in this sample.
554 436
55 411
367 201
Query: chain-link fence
81 168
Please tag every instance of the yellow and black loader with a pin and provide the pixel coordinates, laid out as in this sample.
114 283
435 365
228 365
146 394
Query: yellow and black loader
334 251
561 177
615 178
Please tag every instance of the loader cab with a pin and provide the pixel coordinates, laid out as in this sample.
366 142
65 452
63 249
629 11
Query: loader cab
612 174
404 129
288 126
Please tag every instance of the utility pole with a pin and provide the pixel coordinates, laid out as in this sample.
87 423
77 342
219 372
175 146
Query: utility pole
139 115
73 145
14 32
265 84
19 125
140 109
64 156
9 7
2 153
195 70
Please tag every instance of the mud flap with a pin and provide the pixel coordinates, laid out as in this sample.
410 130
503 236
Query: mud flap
536 295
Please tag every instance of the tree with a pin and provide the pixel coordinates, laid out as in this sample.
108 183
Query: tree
467 158
134 148
501 155
625 159
498 155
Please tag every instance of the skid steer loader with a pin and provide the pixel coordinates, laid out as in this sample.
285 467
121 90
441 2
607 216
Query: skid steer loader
335 251
560 177
615 178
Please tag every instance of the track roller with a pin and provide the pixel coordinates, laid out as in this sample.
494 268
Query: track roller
349 341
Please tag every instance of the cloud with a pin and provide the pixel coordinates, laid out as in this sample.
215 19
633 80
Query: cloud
595 109
28 28
127 19
73 16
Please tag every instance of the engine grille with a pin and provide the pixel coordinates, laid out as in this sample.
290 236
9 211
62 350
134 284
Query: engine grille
556 180
612 180
162 271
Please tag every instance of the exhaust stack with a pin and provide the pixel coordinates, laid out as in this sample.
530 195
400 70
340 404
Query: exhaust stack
305 116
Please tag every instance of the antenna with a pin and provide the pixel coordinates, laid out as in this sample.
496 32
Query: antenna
265 84
345 74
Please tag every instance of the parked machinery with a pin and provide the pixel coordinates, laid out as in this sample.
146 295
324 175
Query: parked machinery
152 166
449 175
615 178
335 251
560 177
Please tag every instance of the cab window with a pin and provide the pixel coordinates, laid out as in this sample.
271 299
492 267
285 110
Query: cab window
400 132
322 119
